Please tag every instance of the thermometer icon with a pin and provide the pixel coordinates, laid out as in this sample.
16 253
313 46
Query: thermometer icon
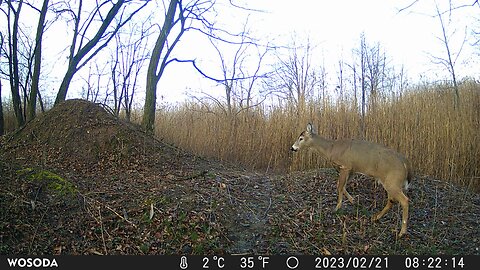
183 262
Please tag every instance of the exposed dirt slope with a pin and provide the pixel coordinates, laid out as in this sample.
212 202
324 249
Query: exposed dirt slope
78 135
128 193
78 181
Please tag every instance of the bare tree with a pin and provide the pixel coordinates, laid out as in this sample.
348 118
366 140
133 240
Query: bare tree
2 119
340 87
251 78
94 85
353 78
403 80
20 53
180 17
83 47
155 67
128 57
377 72
370 68
294 76
240 64
363 83
12 13
240 70
34 91
359 69
321 74
450 58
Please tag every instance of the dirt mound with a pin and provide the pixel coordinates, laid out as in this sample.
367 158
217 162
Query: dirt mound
78 181
82 135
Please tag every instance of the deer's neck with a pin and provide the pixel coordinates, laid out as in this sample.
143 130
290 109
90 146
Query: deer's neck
322 145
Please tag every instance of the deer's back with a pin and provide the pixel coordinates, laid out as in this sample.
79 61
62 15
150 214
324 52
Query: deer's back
369 158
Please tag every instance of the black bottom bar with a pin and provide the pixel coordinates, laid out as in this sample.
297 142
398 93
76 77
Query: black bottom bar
248 262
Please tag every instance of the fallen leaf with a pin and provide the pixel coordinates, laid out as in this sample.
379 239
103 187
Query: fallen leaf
151 212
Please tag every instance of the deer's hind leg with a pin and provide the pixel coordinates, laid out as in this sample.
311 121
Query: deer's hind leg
403 200
399 196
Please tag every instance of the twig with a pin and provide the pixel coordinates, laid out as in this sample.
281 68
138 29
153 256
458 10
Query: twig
298 205
435 211
268 208
36 230
109 208
230 195
101 230
120 216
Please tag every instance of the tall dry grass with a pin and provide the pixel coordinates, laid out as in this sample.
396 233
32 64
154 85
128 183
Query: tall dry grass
439 140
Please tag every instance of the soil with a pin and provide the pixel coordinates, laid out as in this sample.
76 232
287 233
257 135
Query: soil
77 180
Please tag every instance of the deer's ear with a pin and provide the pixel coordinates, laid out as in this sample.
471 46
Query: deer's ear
310 128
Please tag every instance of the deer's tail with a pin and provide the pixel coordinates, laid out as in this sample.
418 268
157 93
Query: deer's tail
410 174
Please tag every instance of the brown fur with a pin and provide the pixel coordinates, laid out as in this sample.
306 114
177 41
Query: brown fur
389 167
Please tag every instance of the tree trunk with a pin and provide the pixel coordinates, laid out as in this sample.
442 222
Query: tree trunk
456 101
62 92
148 120
14 73
32 104
363 88
2 122
150 104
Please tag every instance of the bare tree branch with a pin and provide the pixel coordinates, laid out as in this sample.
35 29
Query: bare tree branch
194 64
408 6
84 52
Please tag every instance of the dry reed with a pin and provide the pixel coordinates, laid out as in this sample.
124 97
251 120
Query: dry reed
440 141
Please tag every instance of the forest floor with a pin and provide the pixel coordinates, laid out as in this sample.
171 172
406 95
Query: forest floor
78 181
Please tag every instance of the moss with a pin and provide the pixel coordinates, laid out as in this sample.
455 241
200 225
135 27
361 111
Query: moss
24 171
53 181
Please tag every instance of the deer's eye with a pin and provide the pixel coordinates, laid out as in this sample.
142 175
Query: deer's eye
300 139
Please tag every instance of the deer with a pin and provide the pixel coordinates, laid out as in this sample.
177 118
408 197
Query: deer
390 168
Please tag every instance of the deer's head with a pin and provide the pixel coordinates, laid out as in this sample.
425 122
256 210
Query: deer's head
304 140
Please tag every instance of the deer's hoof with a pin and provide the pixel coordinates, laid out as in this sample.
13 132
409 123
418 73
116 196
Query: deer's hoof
402 233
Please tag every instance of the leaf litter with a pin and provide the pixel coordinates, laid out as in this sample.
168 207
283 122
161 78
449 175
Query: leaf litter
134 194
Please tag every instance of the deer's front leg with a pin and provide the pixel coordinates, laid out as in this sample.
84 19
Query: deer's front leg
345 192
342 179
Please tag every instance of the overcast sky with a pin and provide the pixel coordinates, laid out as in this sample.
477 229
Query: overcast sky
332 26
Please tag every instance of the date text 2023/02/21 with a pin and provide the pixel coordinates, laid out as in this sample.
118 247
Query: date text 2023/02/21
277 262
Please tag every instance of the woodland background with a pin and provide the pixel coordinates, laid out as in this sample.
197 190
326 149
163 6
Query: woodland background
264 104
